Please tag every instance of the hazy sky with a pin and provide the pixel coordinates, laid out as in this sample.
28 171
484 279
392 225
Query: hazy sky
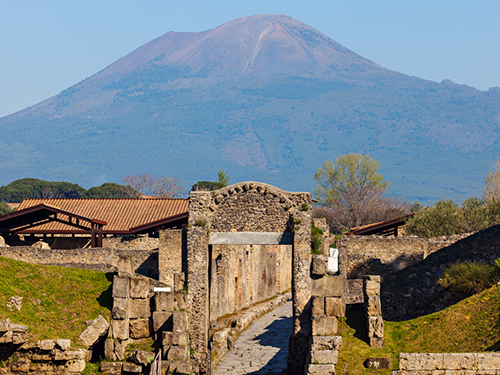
47 46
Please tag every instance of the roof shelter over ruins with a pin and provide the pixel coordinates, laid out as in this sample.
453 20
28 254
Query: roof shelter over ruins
96 217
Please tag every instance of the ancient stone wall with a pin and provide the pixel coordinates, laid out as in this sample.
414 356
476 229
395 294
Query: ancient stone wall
171 253
377 255
145 262
448 363
242 275
222 226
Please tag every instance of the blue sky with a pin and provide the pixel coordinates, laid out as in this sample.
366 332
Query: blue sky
47 46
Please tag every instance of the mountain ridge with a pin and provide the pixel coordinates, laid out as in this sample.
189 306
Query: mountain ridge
188 109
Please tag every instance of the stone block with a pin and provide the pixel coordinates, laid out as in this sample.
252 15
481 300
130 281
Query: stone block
162 321
19 338
220 337
375 326
164 301
326 342
75 366
371 285
334 286
120 287
63 344
18 328
317 286
376 342
94 332
318 325
139 328
120 329
462 361
4 325
176 338
324 356
131 368
139 287
180 321
334 306
120 308
179 367
6 337
181 300
489 361
139 308
119 350
372 305
109 349
318 305
318 265
21 365
179 280
142 357
377 363
331 325
176 353
421 361
125 266
111 368
320 369
67 355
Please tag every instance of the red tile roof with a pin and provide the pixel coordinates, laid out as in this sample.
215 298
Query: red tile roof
120 214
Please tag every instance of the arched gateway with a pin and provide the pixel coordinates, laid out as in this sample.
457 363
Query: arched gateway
239 215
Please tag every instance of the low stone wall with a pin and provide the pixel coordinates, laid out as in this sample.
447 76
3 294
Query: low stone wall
145 262
448 363
378 255
18 355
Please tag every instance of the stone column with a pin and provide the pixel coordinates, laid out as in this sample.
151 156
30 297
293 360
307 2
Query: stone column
373 310
198 294
301 291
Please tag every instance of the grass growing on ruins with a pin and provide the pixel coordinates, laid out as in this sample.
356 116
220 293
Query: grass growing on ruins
472 325
56 300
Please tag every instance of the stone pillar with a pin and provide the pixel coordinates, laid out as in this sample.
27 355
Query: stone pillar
198 294
169 255
373 310
301 291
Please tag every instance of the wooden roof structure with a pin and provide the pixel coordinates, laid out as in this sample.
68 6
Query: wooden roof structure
384 228
96 216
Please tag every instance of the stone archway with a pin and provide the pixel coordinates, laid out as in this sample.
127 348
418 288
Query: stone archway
247 213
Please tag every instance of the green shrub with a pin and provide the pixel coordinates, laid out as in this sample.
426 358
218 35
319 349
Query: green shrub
4 208
470 277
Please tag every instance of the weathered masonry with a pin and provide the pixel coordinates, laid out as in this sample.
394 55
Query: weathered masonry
250 231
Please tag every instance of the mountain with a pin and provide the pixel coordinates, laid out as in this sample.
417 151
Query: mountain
264 98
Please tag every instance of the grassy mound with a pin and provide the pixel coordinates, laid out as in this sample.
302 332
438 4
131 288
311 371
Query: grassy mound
472 325
56 300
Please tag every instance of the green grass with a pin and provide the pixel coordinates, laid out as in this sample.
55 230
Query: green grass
472 325
68 297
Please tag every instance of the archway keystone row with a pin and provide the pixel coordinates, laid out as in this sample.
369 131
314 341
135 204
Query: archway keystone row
248 213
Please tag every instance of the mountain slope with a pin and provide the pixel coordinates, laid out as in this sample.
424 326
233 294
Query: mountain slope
264 98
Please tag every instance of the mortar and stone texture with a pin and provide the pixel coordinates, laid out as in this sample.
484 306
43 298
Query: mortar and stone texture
235 274
378 255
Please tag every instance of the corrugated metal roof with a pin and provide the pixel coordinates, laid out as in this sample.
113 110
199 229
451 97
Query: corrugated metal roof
120 214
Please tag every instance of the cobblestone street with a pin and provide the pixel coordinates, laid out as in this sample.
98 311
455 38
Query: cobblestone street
263 347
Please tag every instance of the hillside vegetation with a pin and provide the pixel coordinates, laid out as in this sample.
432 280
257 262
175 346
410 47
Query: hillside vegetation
472 325
56 300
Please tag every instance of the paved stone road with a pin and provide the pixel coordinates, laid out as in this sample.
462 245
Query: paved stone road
263 347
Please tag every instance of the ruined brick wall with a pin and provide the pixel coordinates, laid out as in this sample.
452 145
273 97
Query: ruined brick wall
171 253
100 259
378 255
81 241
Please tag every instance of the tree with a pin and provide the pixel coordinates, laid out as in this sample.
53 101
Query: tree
492 183
24 188
352 189
4 208
144 184
223 179
110 190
